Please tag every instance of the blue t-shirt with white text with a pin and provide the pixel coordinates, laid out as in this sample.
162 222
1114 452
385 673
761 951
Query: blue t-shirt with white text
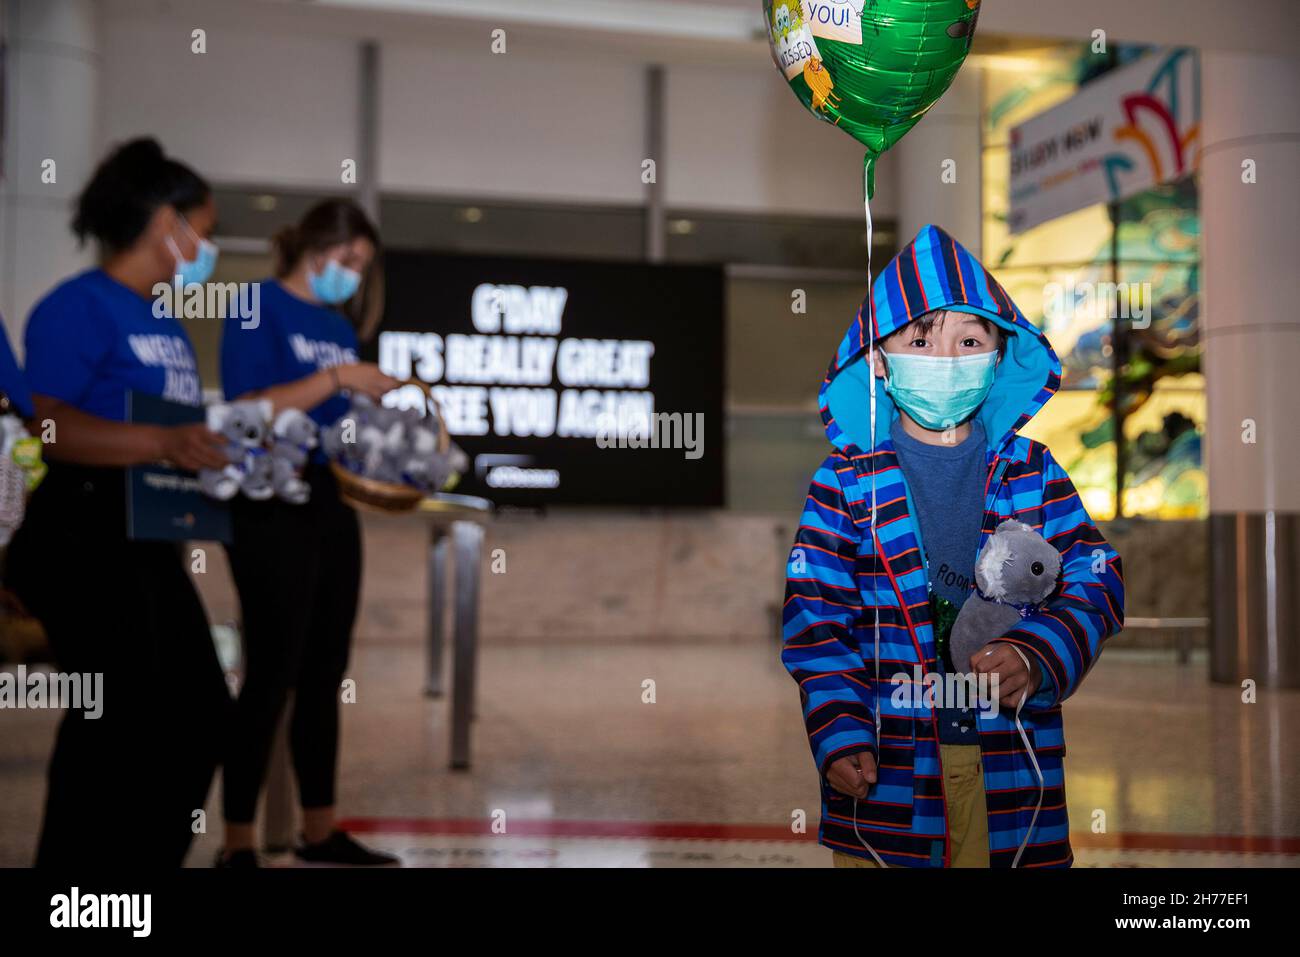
92 340
288 339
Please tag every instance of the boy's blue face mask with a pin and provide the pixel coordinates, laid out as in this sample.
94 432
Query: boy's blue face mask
939 392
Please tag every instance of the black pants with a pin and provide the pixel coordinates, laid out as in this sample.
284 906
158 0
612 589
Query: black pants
125 788
298 571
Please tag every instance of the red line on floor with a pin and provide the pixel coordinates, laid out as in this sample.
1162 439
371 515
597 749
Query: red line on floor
661 830
1232 843
682 830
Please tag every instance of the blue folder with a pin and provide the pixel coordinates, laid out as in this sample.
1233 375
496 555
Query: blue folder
165 503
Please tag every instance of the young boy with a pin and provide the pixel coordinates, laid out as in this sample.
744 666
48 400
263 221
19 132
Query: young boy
959 370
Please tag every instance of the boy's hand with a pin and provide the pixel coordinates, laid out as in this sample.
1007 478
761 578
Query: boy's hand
853 775
1013 678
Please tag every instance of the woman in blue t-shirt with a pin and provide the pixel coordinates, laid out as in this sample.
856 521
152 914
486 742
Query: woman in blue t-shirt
124 785
298 567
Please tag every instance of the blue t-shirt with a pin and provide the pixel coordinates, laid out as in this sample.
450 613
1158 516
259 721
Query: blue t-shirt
946 484
292 338
91 340
12 382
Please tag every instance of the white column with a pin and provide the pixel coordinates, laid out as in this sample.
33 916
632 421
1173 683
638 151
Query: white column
51 77
368 134
1250 205
950 131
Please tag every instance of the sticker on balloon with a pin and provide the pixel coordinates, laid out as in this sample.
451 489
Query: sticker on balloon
791 37
835 19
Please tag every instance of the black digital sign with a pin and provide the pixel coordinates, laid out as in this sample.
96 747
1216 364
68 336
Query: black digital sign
567 383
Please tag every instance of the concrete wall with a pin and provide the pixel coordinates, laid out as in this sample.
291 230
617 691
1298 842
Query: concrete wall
257 107
557 117
52 73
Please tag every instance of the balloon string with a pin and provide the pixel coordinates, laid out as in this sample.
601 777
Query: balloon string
1033 759
866 207
871 373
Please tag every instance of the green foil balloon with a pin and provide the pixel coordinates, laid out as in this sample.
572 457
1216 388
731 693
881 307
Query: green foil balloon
870 67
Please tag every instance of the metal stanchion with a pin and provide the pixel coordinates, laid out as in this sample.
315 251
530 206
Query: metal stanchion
468 540
436 610
456 522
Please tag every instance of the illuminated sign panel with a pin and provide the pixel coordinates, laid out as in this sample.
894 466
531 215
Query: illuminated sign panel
566 382
1121 134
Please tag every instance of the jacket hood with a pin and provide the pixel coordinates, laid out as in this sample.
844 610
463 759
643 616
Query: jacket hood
931 272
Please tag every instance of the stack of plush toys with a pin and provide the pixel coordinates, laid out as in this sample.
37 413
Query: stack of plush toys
267 453
399 446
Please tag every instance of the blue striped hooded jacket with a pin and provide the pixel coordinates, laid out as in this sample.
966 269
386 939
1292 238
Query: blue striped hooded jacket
836 581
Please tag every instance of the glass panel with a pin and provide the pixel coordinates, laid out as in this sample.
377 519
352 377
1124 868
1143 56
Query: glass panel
1165 474
776 358
588 232
1079 430
1061 275
471 226
1015 89
1079 331
737 238
770 459
1024 84
1163 385
257 213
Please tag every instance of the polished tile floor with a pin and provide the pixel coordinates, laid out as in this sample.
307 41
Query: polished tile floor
679 754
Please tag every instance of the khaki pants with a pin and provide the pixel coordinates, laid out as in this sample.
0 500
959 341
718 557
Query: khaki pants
968 819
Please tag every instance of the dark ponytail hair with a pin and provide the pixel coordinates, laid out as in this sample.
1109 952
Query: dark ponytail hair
128 187
329 223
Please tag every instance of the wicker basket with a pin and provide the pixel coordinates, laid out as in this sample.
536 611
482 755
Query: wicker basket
371 495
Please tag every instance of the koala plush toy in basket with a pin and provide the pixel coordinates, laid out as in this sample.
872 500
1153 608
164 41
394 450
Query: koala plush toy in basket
1015 573
389 458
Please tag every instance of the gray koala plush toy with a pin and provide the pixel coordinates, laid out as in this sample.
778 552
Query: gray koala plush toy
258 482
293 437
1015 573
244 426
